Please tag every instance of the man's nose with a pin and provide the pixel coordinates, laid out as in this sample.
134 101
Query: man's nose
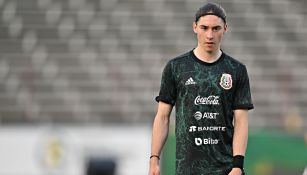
209 34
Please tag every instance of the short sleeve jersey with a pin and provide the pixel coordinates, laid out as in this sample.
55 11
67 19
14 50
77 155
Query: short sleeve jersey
205 95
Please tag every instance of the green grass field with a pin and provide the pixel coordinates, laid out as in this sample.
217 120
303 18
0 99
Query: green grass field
268 153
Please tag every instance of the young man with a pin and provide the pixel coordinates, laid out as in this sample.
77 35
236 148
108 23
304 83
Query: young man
212 96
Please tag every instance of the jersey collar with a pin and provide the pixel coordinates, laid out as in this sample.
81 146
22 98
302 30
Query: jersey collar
206 63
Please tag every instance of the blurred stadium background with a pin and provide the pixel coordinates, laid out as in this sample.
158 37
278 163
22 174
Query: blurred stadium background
78 80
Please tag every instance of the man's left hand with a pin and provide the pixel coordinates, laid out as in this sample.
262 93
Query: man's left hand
235 171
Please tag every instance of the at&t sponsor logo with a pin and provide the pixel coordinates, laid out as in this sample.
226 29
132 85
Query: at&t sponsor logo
208 115
206 141
210 100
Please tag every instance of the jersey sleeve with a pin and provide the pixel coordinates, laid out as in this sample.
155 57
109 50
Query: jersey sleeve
242 96
167 92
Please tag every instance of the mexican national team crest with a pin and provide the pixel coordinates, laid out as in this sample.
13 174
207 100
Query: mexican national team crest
226 81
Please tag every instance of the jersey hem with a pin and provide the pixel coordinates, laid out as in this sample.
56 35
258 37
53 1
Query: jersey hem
223 171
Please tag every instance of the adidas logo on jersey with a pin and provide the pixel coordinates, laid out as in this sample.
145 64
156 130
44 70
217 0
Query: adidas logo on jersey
190 81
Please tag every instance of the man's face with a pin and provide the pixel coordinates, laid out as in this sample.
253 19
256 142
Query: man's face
210 30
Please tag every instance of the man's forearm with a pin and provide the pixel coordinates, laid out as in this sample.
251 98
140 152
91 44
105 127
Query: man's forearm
240 137
159 134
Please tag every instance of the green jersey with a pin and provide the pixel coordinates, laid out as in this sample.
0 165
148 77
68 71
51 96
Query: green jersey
205 95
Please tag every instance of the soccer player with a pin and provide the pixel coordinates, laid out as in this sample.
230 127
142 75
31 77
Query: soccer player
211 93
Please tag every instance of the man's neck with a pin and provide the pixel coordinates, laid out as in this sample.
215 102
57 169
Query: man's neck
208 57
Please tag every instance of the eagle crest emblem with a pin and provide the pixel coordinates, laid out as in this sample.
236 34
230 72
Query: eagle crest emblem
226 81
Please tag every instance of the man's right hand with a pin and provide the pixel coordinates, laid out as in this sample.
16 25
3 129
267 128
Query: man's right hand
154 168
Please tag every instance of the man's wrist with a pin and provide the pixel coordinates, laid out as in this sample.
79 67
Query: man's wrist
238 162
153 156
154 160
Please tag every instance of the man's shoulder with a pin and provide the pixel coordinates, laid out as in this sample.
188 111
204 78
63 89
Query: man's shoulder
181 58
233 61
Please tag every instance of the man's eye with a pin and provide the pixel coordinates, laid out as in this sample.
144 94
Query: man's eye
216 28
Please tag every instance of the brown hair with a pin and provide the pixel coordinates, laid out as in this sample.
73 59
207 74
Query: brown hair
211 9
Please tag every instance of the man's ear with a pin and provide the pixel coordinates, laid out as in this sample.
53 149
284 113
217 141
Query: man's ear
225 28
194 27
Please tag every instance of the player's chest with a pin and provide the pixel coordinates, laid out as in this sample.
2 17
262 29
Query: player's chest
209 82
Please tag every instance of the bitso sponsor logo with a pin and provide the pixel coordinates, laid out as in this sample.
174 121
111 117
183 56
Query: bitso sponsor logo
190 81
206 141
206 128
208 115
226 81
210 100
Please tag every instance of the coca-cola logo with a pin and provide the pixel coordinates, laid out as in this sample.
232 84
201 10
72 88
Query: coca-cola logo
210 100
